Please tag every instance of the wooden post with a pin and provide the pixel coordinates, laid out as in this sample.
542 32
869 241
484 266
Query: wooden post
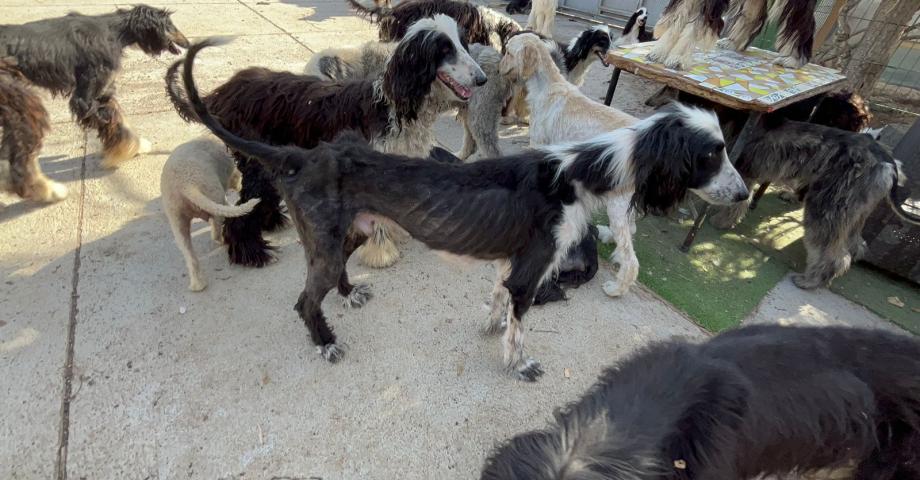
825 30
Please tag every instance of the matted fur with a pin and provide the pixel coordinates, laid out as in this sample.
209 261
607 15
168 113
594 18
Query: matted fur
749 403
394 111
526 211
193 184
24 123
689 24
841 176
478 23
78 56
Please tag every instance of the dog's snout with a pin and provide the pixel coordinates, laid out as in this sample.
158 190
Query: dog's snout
742 195
481 79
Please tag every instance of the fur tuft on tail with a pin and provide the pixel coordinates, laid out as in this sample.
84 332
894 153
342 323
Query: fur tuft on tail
373 12
194 195
176 94
894 199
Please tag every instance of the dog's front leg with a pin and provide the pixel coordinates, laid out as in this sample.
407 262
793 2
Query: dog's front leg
499 300
527 271
624 257
323 273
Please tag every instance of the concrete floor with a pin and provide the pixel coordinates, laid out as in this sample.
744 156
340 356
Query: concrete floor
111 368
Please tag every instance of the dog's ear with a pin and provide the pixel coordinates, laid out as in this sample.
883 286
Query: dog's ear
506 67
661 166
529 59
707 429
410 73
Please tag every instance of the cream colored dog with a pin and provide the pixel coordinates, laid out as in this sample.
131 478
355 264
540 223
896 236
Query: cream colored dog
194 184
560 113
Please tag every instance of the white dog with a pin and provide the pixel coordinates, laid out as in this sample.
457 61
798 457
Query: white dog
542 18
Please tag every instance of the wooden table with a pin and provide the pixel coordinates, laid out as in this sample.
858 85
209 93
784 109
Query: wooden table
745 81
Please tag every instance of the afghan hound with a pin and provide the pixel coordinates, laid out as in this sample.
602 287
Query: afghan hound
687 24
478 23
562 113
841 177
754 402
429 73
76 56
634 30
523 212
542 17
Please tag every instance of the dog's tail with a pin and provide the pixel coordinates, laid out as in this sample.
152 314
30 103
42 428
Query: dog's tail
194 195
373 12
894 199
269 156
176 94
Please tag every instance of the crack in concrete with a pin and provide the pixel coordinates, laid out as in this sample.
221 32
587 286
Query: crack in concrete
289 34
60 467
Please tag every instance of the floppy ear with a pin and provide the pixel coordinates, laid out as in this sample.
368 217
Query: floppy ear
661 164
409 75
529 58
507 64
707 429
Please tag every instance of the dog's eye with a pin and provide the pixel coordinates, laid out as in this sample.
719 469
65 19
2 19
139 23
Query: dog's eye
291 172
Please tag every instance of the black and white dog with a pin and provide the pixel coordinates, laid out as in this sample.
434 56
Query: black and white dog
634 31
749 403
430 72
75 56
523 212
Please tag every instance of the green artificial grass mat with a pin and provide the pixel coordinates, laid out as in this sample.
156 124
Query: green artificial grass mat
727 273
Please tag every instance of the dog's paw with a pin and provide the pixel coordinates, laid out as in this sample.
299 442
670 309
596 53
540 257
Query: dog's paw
528 370
144 146
726 44
332 352
790 61
604 234
358 296
806 282
197 284
615 289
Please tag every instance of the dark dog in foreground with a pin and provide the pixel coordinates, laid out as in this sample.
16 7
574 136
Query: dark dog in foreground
429 72
761 400
523 212
76 56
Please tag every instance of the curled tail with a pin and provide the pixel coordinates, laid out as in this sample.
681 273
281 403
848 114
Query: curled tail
894 199
373 13
194 195
176 94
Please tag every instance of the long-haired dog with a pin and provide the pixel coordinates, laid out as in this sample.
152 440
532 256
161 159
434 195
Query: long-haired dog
478 23
542 17
24 122
429 72
75 56
841 177
562 113
194 184
687 24
634 30
523 212
749 403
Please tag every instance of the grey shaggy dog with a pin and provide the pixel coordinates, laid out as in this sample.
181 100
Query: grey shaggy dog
749 403
841 176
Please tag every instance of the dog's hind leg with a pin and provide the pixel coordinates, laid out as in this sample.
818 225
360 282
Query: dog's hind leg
119 143
745 20
498 303
355 296
245 244
826 243
469 143
527 271
181 229
24 122
324 269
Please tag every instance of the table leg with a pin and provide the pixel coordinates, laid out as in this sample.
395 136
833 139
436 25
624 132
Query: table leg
760 191
614 79
734 153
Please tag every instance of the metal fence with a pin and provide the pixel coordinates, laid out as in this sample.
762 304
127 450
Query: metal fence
851 37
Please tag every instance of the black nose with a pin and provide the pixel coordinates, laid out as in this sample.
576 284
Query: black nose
742 196
481 80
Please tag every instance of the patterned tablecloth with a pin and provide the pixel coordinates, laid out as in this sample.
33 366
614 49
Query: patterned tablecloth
749 76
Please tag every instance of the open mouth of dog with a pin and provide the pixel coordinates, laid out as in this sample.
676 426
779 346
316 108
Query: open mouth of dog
177 40
603 56
462 92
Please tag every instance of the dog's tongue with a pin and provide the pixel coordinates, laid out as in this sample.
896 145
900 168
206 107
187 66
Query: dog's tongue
461 91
